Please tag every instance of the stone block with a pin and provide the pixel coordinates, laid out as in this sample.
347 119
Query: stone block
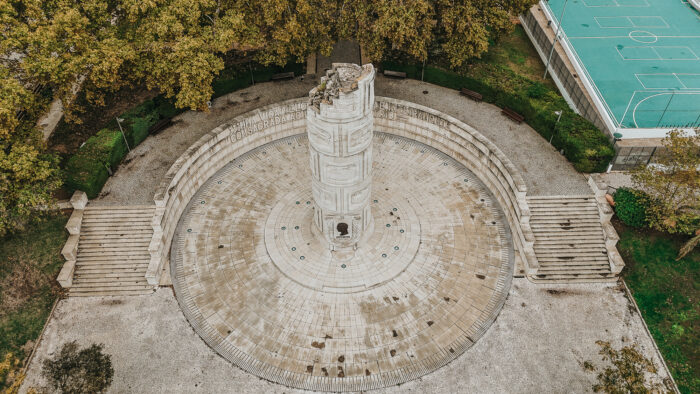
70 249
79 200
74 222
153 271
65 277
616 261
611 236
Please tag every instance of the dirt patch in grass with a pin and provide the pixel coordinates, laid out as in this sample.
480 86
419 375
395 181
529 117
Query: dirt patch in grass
668 295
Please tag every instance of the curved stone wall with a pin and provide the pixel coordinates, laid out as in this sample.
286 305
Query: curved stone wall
253 129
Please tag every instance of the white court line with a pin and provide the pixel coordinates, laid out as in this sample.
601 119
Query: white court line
607 37
612 27
662 58
657 53
646 4
631 21
634 111
649 26
623 57
637 75
627 108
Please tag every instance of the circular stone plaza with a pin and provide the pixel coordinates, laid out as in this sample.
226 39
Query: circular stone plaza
346 258
344 241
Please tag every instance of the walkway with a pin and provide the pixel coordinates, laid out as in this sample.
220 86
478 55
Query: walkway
542 336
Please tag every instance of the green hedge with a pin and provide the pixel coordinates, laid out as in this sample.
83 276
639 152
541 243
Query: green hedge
631 207
139 119
87 169
586 147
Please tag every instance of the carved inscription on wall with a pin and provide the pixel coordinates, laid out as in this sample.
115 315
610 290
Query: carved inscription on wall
384 110
266 119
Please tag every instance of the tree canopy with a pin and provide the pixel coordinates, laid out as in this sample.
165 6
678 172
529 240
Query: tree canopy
176 46
673 184
51 49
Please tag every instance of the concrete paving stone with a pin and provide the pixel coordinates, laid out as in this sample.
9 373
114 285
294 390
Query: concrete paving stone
351 304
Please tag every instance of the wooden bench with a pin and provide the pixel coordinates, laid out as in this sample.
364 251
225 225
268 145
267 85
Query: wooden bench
282 76
395 74
471 94
512 114
160 126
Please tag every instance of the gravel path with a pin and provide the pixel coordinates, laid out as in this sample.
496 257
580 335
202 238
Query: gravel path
541 338
545 171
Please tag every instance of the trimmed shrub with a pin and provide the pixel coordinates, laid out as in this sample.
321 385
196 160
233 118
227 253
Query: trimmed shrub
586 147
87 169
631 206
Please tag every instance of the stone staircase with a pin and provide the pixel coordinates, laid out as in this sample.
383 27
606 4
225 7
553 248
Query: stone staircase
112 252
570 240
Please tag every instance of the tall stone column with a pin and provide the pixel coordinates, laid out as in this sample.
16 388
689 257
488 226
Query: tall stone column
340 127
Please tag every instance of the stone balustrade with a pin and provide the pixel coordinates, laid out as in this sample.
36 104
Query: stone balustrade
253 129
606 212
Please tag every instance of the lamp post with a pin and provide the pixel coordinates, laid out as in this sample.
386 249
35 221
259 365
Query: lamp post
119 122
556 37
558 113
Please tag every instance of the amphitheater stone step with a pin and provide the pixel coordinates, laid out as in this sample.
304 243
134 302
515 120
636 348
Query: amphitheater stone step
113 252
569 240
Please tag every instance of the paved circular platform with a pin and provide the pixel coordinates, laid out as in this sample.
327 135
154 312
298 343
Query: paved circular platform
263 290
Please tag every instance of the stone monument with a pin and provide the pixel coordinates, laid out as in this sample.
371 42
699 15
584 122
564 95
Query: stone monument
340 125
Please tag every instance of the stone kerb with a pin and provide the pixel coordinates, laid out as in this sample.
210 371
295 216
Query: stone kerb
272 122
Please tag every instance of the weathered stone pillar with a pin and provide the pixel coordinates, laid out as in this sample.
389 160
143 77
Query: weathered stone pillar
340 127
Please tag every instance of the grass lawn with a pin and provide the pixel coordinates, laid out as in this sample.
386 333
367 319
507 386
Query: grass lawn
668 294
516 52
29 264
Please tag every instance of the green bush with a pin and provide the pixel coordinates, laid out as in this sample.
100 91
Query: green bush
87 169
586 147
631 206
138 120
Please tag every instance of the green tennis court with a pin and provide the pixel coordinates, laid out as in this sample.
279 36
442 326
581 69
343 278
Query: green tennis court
641 56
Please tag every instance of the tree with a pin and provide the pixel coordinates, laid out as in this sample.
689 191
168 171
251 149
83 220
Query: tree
461 29
86 370
28 175
27 178
673 184
627 371
466 27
